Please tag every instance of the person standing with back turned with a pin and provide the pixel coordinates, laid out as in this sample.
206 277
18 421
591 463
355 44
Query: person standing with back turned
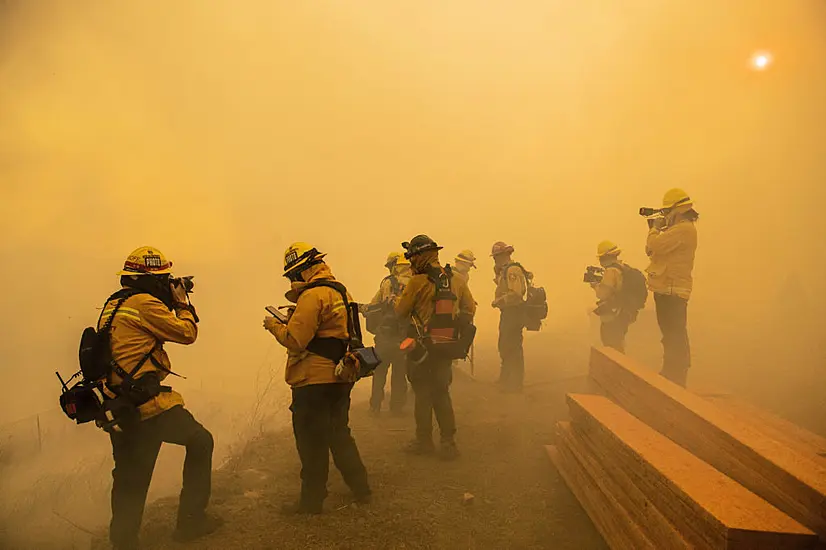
432 315
671 245
389 335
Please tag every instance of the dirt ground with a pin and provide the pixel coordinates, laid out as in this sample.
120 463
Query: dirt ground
520 500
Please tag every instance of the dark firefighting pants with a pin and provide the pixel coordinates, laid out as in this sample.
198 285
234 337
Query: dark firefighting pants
321 424
431 386
613 331
672 316
135 453
511 324
393 360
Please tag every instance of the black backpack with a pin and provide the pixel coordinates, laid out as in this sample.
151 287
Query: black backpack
535 307
83 402
95 355
380 318
634 292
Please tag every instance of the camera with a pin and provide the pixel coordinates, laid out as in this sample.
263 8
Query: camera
187 282
593 274
649 212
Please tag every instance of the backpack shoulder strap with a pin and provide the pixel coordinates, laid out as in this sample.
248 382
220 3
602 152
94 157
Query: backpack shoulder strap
121 296
395 285
353 332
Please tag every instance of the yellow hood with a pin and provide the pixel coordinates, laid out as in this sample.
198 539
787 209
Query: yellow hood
320 271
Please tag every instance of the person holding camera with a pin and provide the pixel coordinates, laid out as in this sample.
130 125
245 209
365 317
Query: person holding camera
316 336
154 310
389 335
613 311
441 309
671 246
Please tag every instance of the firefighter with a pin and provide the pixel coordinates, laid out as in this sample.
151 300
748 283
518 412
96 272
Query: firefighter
389 335
463 263
429 370
671 245
614 319
511 289
316 337
156 310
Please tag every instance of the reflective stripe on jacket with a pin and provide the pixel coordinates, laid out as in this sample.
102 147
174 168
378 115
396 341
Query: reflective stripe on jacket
319 312
142 322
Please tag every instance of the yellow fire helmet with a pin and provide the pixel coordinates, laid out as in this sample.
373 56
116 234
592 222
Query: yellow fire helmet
392 259
402 260
466 256
146 260
607 248
299 256
676 197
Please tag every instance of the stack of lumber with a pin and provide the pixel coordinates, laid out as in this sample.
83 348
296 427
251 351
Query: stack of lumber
656 466
644 491
778 461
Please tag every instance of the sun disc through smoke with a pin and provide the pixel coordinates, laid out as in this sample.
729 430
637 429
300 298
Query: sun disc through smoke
761 61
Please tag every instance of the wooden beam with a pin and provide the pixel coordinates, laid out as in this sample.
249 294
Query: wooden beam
793 436
790 480
707 507
616 528
611 478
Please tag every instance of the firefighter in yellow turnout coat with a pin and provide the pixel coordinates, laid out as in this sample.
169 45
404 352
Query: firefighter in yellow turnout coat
671 245
389 335
511 290
155 310
316 337
430 373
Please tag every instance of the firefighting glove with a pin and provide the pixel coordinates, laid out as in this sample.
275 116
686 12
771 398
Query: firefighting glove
270 323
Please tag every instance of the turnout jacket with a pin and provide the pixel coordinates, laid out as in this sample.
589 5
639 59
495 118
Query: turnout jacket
671 251
142 323
420 292
319 312
511 287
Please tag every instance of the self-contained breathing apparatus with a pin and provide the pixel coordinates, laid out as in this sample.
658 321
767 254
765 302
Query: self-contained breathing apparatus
87 399
447 336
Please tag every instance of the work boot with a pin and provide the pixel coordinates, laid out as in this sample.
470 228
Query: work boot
363 497
300 508
448 450
195 527
420 447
